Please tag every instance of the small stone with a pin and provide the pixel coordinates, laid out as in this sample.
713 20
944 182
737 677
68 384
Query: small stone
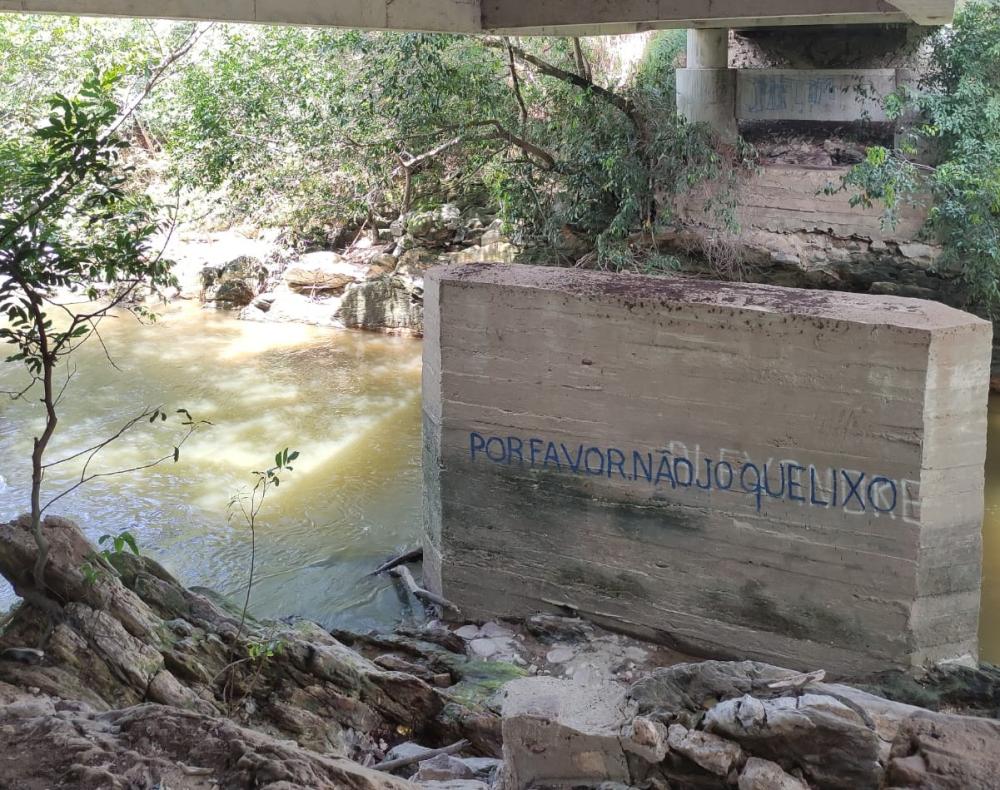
647 739
468 632
764 775
494 629
484 648
484 768
714 754
559 655
443 768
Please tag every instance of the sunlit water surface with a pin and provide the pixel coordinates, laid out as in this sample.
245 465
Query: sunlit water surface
348 401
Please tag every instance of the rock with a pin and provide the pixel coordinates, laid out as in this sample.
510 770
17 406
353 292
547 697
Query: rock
555 628
557 731
494 252
414 262
882 715
436 226
380 265
284 305
786 258
495 630
935 751
159 746
646 739
113 649
902 289
321 272
493 234
392 304
764 775
484 768
716 755
468 632
829 741
455 784
483 648
683 692
233 294
559 655
442 768
949 686
235 284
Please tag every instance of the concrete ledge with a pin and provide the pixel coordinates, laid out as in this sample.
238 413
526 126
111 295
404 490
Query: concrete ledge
740 470
792 198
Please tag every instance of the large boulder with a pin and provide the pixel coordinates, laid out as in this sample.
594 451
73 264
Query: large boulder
828 740
236 283
234 294
48 742
563 733
935 751
133 634
389 303
494 252
435 227
322 272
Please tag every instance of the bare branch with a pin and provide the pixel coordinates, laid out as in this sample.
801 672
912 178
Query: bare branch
84 478
516 81
616 100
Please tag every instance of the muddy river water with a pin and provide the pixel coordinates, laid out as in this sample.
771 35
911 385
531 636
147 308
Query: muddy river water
347 401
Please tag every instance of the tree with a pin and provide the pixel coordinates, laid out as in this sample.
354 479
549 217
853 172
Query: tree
955 117
314 126
71 230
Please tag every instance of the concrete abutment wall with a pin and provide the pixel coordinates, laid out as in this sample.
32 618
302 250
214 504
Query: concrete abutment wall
738 470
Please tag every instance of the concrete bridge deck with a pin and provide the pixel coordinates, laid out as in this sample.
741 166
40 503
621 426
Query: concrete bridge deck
523 17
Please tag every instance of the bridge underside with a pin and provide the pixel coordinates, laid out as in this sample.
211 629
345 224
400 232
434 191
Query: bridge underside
522 17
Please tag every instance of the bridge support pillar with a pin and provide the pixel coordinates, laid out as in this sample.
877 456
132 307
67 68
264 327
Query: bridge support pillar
706 89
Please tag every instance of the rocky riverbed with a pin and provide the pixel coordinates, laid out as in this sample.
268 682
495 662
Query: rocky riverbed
138 682
372 280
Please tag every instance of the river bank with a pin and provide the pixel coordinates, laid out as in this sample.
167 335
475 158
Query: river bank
144 683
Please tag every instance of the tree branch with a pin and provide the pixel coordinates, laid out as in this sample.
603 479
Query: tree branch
616 100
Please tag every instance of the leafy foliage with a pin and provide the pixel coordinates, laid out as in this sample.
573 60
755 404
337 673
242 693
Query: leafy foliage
957 120
70 225
315 125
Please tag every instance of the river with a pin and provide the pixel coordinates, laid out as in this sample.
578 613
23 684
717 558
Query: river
349 402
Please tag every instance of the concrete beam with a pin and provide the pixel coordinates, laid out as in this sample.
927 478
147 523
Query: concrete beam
523 17
926 12
445 16
553 15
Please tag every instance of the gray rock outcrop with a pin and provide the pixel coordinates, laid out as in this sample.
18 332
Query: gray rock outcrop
322 272
390 303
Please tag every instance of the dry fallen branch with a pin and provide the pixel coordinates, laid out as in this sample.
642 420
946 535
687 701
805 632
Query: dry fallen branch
418 592
413 555
402 762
